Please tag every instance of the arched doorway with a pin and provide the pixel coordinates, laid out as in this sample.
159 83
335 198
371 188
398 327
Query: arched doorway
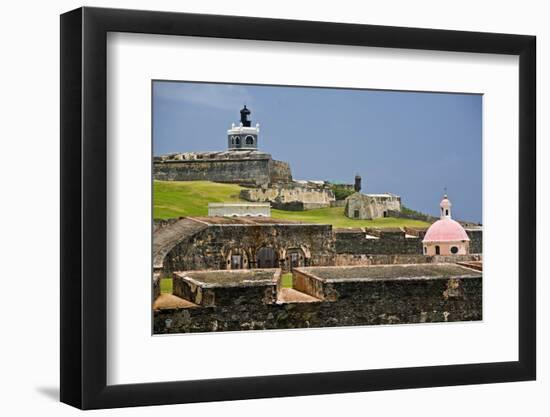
295 258
266 258
237 259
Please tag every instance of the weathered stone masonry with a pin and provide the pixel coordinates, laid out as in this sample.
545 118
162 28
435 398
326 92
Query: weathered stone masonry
375 242
214 246
246 168
291 196
452 293
476 239
391 241
210 243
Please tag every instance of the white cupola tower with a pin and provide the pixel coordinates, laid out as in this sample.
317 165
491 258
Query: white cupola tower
445 207
446 236
243 137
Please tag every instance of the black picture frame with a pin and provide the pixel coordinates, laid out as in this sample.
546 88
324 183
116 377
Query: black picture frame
84 207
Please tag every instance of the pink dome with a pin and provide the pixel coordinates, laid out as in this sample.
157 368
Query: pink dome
445 230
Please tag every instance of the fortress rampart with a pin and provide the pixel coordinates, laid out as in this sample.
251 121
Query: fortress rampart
338 296
221 243
243 243
251 168
291 196
392 241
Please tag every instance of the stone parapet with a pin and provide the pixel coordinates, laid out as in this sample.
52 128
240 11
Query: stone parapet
348 297
250 168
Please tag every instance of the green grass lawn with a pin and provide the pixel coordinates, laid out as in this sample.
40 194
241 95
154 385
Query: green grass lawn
336 217
166 286
286 280
191 198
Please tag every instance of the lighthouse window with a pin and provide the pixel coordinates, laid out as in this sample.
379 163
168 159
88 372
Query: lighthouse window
454 250
237 141
249 140
446 212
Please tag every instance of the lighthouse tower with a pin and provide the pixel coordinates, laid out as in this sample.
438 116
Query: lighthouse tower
243 137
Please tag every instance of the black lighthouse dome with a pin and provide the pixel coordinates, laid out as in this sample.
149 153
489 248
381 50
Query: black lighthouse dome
245 113
245 136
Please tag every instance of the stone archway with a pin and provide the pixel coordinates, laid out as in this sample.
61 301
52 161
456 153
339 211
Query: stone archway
295 258
237 258
266 257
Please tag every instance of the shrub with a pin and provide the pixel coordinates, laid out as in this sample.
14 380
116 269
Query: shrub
341 192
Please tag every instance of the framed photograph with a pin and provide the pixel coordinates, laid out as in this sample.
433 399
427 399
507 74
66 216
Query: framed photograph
257 208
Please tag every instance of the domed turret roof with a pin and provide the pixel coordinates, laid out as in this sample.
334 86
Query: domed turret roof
445 230
445 203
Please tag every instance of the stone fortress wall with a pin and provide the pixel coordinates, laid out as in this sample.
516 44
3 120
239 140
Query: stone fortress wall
295 196
268 180
250 168
210 243
255 242
365 241
336 296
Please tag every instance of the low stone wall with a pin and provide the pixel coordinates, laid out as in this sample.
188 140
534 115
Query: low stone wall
362 259
425 217
225 288
347 303
397 242
359 242
306 283
476 240
413 216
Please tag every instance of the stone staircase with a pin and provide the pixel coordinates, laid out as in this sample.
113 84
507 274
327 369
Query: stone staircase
165 238
290 295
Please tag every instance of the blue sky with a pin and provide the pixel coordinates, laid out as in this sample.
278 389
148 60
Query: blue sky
408 143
